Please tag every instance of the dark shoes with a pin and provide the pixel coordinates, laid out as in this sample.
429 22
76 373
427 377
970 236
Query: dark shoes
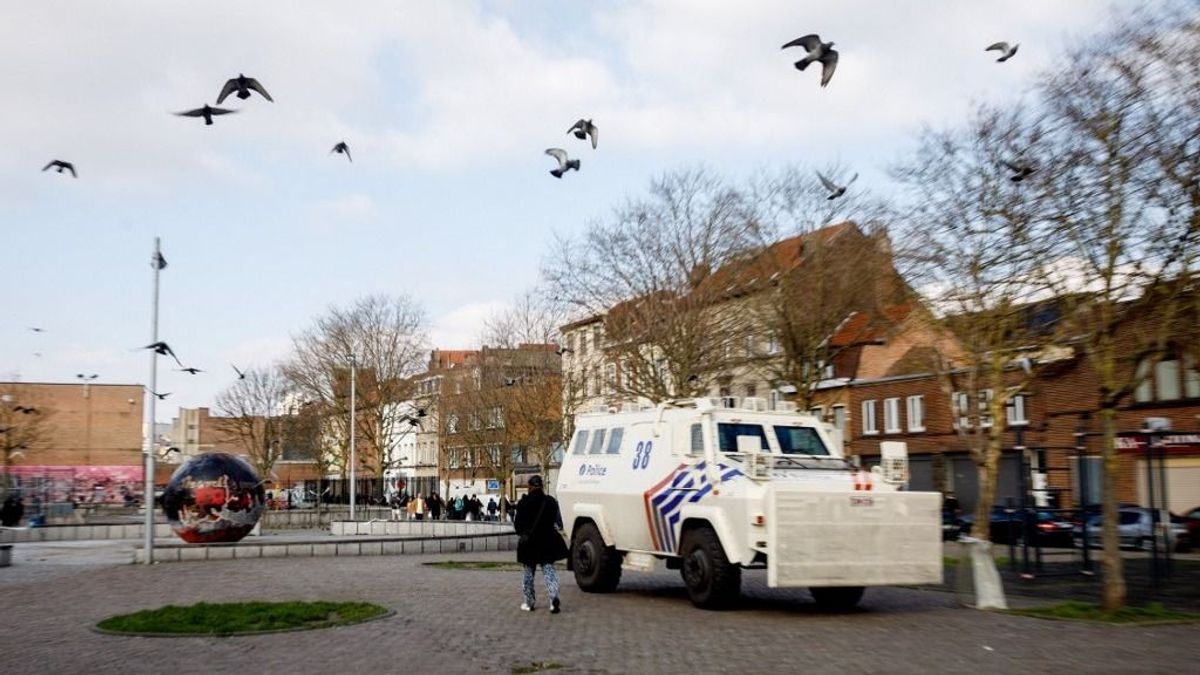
554 606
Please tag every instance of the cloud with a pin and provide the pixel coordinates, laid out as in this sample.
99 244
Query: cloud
348 208
460 328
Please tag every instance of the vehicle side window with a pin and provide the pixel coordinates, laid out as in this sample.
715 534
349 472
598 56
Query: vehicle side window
697 440
1130 517
597 442
614 440
729 432
800 441
581 439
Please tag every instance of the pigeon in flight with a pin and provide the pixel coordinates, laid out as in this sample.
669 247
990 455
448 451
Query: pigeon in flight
242 85
61 166
817 51
240 374
163 349
37 329
1005 49
584 128
835 190
206 112
161 397
564 163
190 371
1020 170
342 149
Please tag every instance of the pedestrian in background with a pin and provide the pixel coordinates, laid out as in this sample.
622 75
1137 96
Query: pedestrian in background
539 542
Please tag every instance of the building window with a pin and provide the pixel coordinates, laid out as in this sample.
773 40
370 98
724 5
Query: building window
1166 380
869 423
583 343
1191 378
751 345
817 412
773 400
751 391
839 418
773 344
962 410
985 412
916 413
452 424
610 378
891 415
826 370
1015 411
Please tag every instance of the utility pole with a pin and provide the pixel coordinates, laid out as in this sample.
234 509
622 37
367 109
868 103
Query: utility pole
157 263
353 420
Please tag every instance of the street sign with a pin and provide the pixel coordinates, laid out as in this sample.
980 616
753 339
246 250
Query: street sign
493 485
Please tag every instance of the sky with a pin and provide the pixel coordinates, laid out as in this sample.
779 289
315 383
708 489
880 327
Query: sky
447 108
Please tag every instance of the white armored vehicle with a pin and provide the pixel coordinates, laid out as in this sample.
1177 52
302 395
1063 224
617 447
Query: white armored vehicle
712 490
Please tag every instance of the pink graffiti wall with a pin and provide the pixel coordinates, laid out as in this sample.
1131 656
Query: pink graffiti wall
82 484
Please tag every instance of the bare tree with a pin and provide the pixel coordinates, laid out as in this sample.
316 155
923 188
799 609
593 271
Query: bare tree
972 243
303 430
252 408
640 269
1121 119
23 425
387 337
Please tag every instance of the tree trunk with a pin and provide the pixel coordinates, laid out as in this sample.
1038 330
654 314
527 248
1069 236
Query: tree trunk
987 494
1111 563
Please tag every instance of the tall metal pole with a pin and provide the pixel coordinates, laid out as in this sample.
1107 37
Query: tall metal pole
148 496
353 420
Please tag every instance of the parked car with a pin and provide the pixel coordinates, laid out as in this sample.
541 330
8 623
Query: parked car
1135 529
951 526
1007 526
1191 520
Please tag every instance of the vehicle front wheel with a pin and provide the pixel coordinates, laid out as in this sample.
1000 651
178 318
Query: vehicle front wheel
837 597
597 566
712 581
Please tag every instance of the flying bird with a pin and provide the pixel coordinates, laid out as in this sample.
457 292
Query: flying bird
37 330
206 112
1007 51
240 374
60 166
817 51
25 410
835 190
163 349
161 397
342 149
564 350
564 163
1020 170
243 85
584 128
190 371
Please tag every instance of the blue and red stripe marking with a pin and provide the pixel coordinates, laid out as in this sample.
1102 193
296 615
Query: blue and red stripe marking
687 484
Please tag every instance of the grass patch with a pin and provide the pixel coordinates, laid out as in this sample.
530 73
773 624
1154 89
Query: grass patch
1085 611
536 667
238 618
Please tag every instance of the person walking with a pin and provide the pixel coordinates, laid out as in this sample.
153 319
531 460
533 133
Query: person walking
539 542
491 509
434 506
420 511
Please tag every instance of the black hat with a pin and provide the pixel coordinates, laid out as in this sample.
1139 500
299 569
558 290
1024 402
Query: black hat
535 481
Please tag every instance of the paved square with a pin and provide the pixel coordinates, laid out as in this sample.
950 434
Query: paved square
467 621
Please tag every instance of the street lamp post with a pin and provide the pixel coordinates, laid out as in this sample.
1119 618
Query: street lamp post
353 420
87 425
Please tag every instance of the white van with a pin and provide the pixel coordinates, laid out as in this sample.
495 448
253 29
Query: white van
712 490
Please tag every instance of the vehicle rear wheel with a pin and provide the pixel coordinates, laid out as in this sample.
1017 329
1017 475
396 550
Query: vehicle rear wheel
837 597
712 581
597 566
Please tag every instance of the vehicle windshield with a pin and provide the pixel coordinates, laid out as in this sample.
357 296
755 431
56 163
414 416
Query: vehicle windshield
799 441
728 433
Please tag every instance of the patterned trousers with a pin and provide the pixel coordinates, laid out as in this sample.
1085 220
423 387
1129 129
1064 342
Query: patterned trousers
548 574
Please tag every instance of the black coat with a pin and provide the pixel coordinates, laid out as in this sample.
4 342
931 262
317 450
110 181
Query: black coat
543 544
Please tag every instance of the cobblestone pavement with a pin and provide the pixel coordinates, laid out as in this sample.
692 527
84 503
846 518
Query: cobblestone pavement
467 621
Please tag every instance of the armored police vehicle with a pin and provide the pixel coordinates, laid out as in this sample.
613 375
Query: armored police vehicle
712 490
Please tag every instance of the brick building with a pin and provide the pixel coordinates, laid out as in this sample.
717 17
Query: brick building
84 440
